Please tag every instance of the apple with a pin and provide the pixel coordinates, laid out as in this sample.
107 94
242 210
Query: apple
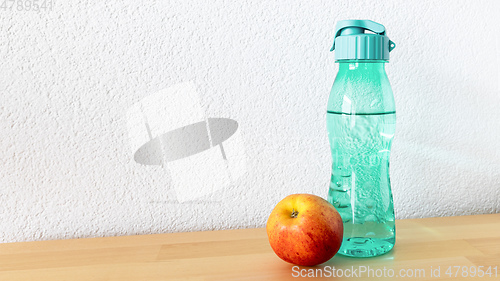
305 229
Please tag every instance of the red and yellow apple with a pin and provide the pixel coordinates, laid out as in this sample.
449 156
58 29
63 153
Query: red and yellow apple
305 229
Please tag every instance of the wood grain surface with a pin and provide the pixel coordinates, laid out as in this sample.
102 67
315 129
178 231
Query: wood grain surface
459 245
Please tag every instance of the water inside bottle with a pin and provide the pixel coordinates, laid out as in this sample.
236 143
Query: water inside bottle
360 185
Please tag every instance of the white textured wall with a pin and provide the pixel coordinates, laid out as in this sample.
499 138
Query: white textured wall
67 78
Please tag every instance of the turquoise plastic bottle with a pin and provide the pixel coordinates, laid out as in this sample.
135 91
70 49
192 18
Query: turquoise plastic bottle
361 120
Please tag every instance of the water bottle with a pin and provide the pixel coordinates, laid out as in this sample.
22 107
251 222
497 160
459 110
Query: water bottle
361 120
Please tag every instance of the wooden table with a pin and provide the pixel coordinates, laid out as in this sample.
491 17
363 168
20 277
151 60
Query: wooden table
423 246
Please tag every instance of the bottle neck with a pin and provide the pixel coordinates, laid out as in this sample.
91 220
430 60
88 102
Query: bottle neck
361 65
361 86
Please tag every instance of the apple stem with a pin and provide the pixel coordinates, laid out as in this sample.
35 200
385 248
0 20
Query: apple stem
294 213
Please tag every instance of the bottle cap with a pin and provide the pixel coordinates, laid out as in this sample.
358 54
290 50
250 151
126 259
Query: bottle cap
352 43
